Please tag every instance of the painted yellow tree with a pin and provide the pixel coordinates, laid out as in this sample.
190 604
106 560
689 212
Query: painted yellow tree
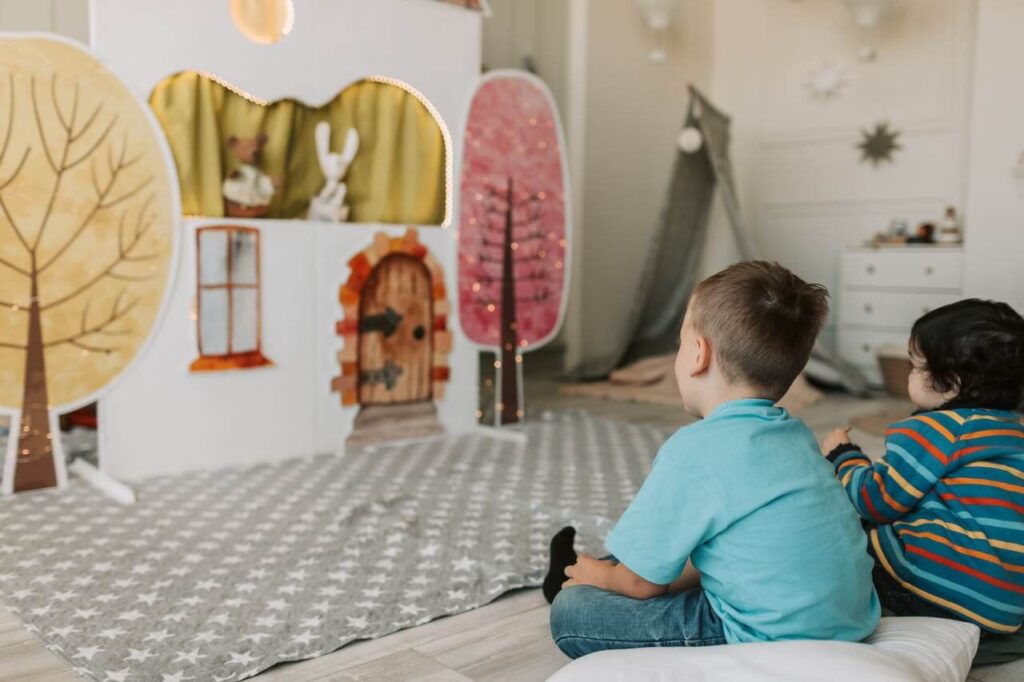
87 220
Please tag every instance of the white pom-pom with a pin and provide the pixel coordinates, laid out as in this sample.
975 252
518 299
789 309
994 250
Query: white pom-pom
690 140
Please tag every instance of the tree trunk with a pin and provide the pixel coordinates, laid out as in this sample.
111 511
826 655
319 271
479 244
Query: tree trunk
34 467
510 413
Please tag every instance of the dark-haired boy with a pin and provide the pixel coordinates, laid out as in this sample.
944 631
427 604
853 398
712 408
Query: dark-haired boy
946 502
739 532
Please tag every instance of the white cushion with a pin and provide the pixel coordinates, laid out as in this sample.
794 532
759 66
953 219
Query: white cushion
900 650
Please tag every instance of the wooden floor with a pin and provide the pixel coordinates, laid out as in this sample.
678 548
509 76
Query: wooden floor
505 640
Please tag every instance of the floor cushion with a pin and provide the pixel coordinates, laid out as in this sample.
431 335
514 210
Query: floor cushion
900 650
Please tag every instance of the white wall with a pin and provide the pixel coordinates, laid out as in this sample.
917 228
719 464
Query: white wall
802 186
434 47
995 199
634 110
69 18
534 29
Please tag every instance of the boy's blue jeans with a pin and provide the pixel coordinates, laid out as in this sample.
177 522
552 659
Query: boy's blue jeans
586 619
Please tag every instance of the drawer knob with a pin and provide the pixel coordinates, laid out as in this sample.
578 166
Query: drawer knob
866 348
868 308
871 269
929 270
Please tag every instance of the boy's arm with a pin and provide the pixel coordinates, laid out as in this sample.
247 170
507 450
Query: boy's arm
679 507
611 576
916 456
687 580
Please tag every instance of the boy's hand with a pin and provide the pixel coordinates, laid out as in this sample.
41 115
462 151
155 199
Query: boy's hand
587 571
608 575
834 439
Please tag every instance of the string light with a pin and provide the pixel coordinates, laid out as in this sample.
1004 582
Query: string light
497 364
234 88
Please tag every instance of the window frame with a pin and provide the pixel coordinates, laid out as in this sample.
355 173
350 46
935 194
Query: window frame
231 359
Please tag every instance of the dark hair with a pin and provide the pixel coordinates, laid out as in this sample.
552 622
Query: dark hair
762 321
975 348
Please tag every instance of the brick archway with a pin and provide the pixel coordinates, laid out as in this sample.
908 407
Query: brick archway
361 266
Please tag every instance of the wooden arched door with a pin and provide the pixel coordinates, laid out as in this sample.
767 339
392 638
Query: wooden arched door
395 332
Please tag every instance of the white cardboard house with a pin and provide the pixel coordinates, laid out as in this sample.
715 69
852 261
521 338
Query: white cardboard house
162 418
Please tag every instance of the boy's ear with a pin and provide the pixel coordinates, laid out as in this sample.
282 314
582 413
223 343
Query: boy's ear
702 358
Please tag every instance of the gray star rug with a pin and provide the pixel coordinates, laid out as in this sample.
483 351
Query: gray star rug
219 575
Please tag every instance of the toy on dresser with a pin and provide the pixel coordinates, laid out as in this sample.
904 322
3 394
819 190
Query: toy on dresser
248 190
329 204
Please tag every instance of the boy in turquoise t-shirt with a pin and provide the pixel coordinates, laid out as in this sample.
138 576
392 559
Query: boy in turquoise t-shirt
740 532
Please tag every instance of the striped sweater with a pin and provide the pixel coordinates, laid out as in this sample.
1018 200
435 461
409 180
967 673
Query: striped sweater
946 504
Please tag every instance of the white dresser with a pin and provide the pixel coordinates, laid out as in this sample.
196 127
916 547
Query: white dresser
884 289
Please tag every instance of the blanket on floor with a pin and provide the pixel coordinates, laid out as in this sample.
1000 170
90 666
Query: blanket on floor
219 575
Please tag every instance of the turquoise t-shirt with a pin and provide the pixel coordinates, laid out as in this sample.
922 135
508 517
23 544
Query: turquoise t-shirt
747 496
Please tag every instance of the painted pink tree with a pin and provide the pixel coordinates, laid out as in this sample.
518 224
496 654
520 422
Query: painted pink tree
513 226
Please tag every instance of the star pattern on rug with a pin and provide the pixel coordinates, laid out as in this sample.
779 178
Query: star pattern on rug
219 575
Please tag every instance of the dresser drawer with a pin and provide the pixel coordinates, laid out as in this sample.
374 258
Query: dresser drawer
860 347
888 309
910 268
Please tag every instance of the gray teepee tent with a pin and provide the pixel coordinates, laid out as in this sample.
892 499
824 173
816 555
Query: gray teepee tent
675 250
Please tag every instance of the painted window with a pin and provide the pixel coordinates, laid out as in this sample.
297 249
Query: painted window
228 315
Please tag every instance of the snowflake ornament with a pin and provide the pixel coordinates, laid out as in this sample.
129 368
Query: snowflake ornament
827 81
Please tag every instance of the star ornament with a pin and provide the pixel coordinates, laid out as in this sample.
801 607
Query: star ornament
878 144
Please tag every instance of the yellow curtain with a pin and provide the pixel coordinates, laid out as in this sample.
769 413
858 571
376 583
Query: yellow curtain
398 175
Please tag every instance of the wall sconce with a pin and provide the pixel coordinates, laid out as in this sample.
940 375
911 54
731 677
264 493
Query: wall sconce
657 15
867 14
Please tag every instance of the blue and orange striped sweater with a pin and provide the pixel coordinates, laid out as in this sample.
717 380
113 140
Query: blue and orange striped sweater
947 507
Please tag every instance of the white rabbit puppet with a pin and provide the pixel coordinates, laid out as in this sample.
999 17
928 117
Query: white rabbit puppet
329 204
